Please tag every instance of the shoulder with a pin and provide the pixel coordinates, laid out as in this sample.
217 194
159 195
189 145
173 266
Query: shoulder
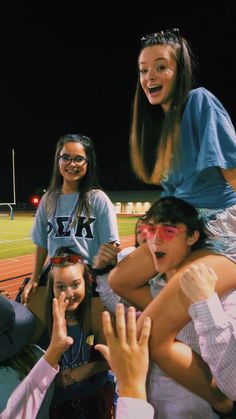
99 196
201 98
97 193
47 201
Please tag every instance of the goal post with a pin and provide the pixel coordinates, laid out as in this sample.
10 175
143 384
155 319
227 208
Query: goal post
9 212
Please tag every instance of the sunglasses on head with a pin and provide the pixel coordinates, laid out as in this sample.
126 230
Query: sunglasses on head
160 37
60 260
166 232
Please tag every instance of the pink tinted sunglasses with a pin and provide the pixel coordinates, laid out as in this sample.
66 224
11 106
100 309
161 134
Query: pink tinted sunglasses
166 232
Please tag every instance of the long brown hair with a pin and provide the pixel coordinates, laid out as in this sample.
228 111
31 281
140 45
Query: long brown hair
154 135
80 311
87 183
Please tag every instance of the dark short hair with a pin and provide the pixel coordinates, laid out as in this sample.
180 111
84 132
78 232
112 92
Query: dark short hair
174 210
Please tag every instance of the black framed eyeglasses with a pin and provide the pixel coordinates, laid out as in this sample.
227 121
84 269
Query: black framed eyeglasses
65 159
161 37
61 260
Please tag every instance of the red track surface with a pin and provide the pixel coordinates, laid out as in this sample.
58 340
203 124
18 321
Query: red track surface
14 270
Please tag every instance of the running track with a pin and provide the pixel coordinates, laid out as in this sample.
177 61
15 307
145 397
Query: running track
14 270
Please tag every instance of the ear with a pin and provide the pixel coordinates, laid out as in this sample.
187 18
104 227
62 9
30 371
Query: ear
193 238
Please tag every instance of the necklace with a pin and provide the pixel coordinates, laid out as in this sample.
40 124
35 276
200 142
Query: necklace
72 362
70 219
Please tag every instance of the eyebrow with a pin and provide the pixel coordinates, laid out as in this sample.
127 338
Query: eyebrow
74 280
156 60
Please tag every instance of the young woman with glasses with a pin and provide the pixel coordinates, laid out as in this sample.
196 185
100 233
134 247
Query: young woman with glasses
182 139
74 212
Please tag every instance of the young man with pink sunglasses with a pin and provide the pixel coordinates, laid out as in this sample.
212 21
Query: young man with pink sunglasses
173 229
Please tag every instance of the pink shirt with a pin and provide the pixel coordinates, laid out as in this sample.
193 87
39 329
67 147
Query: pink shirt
129 408
215 324
28 396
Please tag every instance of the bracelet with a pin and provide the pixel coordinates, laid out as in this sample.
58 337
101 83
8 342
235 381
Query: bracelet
103 271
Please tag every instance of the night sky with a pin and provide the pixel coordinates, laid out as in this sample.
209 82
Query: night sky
67 70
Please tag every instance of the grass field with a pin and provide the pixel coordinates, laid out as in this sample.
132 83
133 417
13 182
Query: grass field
15 239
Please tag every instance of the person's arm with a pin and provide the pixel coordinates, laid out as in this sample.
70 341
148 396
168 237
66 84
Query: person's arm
28 396
128 359
215 324
126 355
129 278
108 297
107 255
40 258
76 375
169 314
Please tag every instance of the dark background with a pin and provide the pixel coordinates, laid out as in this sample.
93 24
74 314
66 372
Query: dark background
72 68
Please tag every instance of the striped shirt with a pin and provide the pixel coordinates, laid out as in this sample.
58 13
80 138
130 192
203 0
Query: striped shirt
170 398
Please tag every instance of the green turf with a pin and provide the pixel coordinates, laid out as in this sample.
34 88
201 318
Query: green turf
15 239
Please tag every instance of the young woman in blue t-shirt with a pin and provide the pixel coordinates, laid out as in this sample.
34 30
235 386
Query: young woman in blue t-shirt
183 140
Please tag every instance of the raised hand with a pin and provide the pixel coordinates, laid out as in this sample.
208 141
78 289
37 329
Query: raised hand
60 342
127 356
198 282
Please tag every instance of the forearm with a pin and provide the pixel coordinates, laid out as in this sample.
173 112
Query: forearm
169 314
108 297
216 329
52 356
83 372
40 257
28 396
130 277
131 390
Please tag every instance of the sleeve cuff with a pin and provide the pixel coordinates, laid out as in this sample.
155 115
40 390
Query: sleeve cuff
208 314
130 408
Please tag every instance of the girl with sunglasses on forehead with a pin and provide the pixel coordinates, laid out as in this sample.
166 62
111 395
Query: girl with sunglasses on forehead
74 212
83 386
182 139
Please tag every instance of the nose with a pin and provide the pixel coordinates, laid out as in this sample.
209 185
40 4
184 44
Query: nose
69 293
156 238
72 161
151 75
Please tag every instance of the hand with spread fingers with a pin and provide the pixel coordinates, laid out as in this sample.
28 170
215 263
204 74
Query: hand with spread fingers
127 355
60 342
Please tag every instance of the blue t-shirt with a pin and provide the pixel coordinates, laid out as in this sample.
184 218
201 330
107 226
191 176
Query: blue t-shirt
85 237
79 353
207 144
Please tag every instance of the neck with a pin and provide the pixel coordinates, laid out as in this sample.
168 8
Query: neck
68 188
71 319
70 315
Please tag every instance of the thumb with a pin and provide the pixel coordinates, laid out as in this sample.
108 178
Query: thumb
68 342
